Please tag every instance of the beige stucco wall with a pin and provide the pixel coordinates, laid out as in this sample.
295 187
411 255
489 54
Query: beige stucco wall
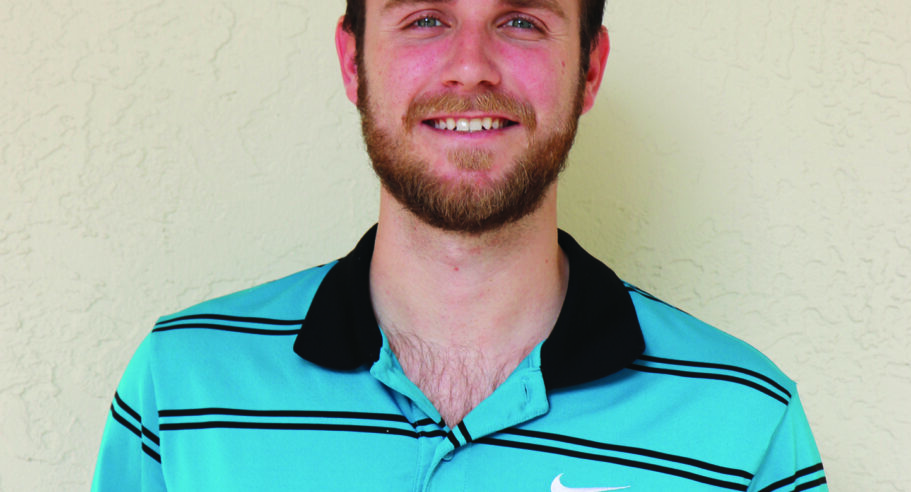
749 161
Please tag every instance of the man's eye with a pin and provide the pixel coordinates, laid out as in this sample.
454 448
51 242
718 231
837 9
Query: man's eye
521 23
427 22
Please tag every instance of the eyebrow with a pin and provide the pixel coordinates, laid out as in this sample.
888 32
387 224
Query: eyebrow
391 4
549 5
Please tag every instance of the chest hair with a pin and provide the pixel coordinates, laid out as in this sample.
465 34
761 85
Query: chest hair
454 378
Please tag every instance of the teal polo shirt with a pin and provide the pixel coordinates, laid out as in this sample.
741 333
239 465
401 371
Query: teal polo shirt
291 385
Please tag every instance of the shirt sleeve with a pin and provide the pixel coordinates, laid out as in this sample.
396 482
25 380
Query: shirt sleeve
130 457
792 461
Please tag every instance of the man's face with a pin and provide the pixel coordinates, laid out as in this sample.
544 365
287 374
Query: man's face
469 107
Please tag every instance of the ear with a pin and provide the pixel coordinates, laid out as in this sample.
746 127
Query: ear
346 47
597 59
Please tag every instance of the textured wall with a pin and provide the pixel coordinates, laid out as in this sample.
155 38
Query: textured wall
749 161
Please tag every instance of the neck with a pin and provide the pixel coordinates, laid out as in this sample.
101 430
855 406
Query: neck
461 311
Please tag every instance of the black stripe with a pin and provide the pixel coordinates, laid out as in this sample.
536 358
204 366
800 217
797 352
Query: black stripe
139 432
423 422
130 427
155 456
126 408
144 431
150 436
793 478
810 485
224 317
633 288
718 366
631 450
464 431
452 438
235 329
195 412
702 375
145 447
618 461
296 426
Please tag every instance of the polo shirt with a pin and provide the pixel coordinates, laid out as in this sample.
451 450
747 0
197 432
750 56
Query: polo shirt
291 385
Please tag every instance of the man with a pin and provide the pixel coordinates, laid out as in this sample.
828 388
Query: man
465 343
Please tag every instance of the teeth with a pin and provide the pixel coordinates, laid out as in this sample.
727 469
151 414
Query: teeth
469 124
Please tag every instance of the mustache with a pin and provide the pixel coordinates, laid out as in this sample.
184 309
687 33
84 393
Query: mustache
485 102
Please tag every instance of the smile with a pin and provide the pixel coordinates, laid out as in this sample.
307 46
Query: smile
469 125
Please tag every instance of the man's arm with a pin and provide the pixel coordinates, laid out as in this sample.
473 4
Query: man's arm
792 460
130 458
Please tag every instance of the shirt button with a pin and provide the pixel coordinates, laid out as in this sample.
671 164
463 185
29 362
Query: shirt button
448 456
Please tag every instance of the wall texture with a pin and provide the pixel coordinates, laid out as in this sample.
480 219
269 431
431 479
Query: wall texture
748 161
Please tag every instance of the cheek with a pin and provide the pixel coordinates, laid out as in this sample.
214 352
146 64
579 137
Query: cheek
396 76
409 68
541 76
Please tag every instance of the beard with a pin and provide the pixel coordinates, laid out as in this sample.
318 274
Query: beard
477 203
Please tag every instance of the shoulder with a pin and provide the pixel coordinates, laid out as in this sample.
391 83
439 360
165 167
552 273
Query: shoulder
679 343
236 323
222 344
284 299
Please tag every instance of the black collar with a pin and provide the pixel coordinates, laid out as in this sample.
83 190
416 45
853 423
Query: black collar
597 332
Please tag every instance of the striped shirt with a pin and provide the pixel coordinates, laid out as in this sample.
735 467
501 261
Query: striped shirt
292 386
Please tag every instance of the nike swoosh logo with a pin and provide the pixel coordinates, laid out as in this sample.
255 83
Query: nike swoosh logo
557 486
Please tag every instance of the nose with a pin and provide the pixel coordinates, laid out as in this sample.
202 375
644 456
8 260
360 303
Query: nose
471 64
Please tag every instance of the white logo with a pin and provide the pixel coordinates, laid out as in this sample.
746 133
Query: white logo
556 486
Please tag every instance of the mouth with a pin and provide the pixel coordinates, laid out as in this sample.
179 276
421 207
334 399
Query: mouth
469 125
